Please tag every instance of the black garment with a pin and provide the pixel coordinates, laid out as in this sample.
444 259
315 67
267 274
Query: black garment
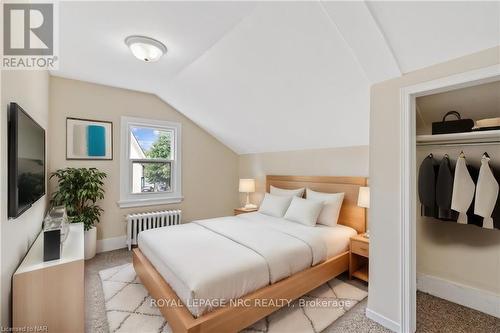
444 191
496 211
427 176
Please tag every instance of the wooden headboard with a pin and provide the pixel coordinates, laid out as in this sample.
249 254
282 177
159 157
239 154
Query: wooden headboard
350 215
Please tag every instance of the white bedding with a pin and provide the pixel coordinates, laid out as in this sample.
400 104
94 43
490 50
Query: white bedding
335 238
229 257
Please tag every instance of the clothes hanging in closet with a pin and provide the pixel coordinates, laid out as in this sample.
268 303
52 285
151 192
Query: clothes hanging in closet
444 190
496 212
471 217
463 189
427 176
486 194
465 194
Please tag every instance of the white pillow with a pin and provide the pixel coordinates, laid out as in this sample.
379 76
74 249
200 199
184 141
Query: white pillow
286 193
332 203
274 205
304 211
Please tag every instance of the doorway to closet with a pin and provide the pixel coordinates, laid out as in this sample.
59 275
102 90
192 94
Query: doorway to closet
457 245
445 260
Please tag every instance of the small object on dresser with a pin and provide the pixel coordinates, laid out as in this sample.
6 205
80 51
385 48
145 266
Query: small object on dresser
51 244
452 126
55 231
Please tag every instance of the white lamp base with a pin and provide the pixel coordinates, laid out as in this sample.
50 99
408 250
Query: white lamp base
248 204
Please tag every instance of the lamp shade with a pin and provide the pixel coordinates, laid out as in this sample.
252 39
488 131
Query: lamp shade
247 185
364 197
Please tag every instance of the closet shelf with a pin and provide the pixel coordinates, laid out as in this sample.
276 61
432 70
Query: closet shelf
469 138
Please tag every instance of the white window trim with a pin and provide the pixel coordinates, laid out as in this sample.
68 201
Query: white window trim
129 199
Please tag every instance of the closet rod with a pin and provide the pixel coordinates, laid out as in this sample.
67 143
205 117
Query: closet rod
437 144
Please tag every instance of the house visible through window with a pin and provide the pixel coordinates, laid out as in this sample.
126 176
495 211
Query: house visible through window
150 162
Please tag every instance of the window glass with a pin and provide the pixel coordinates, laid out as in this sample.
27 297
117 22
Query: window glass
151 143
150 177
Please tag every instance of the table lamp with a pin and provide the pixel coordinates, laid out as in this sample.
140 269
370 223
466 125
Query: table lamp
364 201
247 186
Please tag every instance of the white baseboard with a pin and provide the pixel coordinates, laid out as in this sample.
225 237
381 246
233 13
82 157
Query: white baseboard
110 244
470 297
382 320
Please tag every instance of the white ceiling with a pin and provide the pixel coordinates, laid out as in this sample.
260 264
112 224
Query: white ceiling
271 76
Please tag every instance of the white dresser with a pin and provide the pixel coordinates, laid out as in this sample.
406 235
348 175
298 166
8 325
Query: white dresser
51 294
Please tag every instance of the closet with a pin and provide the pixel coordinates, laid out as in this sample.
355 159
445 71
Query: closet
458 245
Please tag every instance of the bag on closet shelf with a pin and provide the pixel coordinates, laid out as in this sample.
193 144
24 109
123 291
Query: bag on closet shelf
452 126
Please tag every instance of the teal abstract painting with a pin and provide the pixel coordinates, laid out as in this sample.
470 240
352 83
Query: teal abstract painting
96 140
89 139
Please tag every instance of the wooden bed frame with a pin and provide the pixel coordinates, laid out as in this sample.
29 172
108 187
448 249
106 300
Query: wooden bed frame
235 317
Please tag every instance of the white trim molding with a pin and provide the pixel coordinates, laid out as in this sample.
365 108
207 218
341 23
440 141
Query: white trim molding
149 202
382 320
467 296
110 244
408 251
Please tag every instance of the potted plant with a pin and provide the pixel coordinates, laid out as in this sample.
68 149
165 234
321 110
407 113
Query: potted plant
79 189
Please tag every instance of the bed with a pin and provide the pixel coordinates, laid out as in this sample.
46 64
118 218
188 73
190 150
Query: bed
193 269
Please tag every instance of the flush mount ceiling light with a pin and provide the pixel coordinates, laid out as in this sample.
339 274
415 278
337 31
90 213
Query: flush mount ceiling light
145 48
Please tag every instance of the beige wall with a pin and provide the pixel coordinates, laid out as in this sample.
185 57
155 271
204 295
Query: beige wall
209 168
385 138
347 161
30 89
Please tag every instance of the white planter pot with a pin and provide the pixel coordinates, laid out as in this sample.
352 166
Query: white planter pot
90 243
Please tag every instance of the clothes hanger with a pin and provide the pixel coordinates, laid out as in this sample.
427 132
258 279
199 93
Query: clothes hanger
462 155
486 156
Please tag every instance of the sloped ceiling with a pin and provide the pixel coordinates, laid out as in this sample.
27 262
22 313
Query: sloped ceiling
271 76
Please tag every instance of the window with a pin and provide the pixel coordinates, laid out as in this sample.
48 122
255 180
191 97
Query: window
150 167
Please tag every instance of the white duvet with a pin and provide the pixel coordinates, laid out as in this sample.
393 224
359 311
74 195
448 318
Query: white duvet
225 258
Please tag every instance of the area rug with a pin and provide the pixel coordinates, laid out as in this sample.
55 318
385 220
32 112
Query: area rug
129 308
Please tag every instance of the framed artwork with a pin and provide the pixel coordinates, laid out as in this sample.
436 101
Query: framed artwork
89 139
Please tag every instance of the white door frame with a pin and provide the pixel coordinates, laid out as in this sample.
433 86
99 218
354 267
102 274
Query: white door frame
408 177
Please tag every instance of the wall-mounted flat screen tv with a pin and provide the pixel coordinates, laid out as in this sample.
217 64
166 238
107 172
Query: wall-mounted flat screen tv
26 161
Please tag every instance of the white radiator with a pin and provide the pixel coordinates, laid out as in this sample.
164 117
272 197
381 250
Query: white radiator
144 221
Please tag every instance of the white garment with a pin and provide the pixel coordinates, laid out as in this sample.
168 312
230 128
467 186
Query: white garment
486 193
463 190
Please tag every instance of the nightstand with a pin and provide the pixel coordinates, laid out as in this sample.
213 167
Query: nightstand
238 211
359 253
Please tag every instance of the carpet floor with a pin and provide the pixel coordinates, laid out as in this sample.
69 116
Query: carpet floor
433 314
